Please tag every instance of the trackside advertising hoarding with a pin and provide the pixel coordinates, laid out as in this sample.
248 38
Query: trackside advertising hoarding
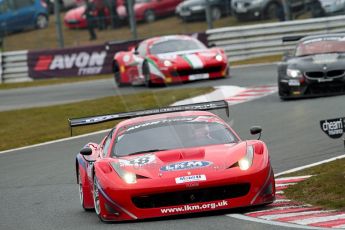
334 128
80 61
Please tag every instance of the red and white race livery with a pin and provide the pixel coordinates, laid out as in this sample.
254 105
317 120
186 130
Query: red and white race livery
170 161
169 59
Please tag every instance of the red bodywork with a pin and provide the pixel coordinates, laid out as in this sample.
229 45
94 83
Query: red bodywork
225 185
172 67
74 18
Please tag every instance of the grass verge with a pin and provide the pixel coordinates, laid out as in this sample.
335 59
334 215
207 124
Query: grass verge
326 188
37 125
54 81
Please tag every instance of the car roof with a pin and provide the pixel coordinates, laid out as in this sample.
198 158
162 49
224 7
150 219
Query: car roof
167 38
143 119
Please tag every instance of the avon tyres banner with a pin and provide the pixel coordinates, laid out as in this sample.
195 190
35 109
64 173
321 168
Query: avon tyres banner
88 60
80 61
334 128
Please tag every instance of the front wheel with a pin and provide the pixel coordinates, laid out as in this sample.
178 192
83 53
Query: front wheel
81 193
117 75
147 74
41 21
273 11
96 198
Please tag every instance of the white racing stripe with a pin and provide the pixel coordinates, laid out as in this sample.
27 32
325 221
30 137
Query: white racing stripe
194 61
314 220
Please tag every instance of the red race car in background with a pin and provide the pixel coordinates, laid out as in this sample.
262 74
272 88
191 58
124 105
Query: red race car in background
169 59
170 161
145 10
149 10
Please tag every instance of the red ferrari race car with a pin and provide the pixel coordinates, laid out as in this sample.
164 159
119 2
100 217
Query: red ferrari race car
169 59
170 161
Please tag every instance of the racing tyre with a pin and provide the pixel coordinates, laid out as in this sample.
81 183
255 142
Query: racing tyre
81 193
147 74
216 13
96 198
150 16
41 21
272 11
117 75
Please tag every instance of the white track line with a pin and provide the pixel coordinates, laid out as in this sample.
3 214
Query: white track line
310 165
280 180
269 222
55 141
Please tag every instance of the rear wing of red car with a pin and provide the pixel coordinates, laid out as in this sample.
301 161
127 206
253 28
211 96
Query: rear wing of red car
212 105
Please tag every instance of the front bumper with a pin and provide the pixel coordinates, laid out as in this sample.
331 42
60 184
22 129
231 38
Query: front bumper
173 75
298 88
120 204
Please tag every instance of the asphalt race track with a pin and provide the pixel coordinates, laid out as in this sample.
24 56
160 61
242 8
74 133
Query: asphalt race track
65 93
38 188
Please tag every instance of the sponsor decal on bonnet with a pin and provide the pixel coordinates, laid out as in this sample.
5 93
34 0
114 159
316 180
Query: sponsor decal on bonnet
184 165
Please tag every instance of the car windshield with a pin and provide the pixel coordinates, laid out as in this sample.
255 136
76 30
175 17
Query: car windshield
320 46
174 133
175 45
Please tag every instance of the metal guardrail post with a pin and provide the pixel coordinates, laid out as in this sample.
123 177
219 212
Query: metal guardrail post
209 18
1 78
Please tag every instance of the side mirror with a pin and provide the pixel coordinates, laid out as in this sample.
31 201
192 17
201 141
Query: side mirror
87 151
256 130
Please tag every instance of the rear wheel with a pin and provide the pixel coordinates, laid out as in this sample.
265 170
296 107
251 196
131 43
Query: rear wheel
41 21
150 16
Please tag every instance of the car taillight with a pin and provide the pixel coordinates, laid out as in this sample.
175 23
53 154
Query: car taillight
44 4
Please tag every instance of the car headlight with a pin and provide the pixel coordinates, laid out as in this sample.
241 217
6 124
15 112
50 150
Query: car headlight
197 8
167 63
247 160
219 57
128 177
294 73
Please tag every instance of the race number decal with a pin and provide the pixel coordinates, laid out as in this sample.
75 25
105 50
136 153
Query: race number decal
139 161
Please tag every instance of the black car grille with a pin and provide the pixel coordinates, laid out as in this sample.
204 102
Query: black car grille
326 88
328 74
186 72
191 196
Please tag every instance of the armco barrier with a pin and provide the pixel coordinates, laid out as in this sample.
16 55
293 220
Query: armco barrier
244 42
14 67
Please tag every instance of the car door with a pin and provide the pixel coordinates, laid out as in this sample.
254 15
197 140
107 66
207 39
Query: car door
24 14
6 16
170 5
